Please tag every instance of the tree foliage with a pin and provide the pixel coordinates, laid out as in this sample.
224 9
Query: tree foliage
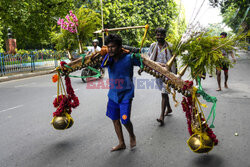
235 13
216 28
32 20
122 13
177 26
1 40
89 21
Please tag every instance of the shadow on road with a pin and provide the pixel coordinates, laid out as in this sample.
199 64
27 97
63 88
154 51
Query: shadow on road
207 160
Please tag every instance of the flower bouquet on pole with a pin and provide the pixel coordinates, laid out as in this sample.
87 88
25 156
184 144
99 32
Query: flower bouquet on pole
76 30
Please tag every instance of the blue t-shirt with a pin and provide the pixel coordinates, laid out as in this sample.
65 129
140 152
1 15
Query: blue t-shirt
121 85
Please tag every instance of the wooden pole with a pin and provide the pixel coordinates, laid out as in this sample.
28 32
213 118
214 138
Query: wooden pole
117 29
103 41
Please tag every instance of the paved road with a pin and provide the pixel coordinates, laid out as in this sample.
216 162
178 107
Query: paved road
28 140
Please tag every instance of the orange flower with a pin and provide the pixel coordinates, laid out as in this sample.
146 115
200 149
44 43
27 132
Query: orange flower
55 78
124 117
104 50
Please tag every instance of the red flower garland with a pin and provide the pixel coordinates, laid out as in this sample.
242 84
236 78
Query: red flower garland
61 104
187 108
66 102
63 63
74 101
187 105
189 85
211 134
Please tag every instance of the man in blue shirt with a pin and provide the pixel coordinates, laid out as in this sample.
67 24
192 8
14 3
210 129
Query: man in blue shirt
121 90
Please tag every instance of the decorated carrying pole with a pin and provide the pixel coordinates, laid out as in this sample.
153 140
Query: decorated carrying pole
202 137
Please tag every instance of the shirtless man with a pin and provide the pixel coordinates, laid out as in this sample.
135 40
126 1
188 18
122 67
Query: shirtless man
223 67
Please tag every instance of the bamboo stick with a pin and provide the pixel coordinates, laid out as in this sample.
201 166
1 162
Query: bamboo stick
164 71
78 62
117 29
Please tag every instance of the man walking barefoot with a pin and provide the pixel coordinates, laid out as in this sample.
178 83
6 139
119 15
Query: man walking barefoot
159 52
224 67
121 91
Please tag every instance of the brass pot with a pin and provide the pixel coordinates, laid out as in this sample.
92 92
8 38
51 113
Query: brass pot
200 143
62 122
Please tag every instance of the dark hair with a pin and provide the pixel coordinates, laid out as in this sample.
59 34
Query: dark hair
114 38
160 30
224 34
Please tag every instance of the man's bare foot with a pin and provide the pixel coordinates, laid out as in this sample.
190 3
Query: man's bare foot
219 89
118 147
168 112
161 121
132 142
226 85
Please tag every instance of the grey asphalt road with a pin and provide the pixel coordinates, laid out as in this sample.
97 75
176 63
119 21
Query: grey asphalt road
28 140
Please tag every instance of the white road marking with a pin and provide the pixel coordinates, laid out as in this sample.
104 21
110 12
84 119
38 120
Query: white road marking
11 108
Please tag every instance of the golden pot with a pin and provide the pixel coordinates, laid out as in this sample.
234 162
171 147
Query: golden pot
200 143
62 122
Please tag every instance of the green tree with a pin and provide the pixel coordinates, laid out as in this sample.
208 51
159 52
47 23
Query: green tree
89 21
32 20
235 13
122 13
177 26
1 40
215 29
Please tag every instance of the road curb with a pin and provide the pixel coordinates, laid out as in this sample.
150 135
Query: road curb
21 76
